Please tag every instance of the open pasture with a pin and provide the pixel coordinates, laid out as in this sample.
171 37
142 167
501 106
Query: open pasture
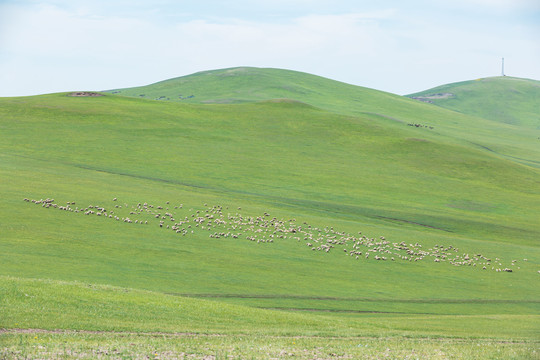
277 219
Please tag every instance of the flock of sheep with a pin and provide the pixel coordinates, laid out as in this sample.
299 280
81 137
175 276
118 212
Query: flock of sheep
267 229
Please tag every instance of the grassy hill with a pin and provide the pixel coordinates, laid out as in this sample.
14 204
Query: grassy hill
246 84
504 99
256 193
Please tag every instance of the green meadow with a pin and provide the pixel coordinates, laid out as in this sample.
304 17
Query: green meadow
271 214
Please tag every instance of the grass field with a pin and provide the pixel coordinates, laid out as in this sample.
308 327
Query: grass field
264 209
105 321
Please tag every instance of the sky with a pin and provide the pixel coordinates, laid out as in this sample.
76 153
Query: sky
391 45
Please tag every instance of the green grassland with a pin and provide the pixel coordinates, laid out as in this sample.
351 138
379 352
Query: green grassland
80 306
310 164
120 322
511 102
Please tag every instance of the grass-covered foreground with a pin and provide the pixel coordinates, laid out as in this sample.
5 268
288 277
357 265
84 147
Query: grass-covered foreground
51 319
88 345
51 305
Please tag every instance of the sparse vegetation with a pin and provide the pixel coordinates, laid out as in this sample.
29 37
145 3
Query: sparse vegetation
191 346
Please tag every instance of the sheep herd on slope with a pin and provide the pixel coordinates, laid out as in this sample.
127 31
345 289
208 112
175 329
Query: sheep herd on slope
265 229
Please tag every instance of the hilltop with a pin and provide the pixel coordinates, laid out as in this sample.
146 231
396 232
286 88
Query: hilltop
243 84
249 84
504 99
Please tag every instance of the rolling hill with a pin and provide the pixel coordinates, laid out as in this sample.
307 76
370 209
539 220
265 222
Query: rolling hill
246 84
285 201
504 99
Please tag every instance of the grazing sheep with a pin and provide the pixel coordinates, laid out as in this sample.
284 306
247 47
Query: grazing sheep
269 228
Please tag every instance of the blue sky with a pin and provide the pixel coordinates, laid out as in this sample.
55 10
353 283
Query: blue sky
396 46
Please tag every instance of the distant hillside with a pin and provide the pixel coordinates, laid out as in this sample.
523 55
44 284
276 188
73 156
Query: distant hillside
249 84
242 84
504 99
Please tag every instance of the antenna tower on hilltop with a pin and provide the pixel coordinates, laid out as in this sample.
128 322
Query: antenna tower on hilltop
503 67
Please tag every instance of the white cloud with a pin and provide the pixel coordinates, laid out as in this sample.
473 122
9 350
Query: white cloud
48 47
96 43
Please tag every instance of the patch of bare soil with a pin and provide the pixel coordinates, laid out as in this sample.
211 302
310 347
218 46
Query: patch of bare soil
84 93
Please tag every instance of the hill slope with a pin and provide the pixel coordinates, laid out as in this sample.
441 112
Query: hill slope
242 85
277 157
505 99
248 84
239 203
